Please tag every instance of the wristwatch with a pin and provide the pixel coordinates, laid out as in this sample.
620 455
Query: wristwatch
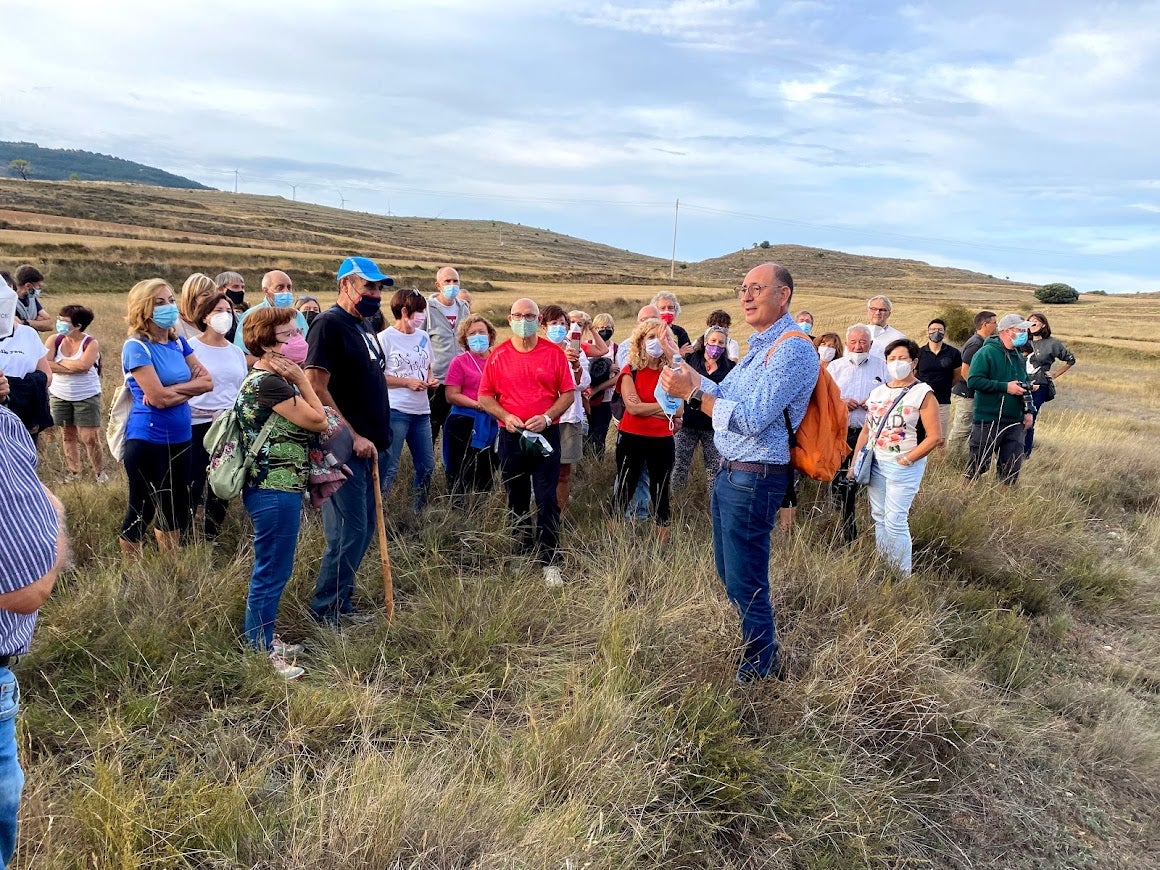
694 400
548 421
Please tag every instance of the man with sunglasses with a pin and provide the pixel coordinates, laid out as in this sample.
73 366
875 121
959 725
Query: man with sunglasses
750 434
346 366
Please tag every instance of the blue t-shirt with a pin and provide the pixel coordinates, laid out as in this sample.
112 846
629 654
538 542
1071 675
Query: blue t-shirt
157 425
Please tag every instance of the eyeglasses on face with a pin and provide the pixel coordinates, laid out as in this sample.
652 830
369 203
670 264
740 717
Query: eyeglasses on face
878 310
749 290
285 337
530 318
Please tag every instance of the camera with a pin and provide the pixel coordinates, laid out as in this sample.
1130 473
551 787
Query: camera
1028 403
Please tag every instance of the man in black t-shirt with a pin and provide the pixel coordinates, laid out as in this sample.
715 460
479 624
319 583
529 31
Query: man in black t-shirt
962 397
940 365
346 366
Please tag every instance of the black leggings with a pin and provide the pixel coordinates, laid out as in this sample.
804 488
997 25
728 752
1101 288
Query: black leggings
158 487
469 469
634 453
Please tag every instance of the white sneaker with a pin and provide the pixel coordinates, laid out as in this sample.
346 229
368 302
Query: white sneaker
286 650
553 579
284 669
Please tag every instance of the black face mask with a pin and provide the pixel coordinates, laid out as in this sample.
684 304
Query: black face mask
236 297
309 315
605 334
368 306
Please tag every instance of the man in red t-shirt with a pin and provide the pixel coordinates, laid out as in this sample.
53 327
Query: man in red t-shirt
527 385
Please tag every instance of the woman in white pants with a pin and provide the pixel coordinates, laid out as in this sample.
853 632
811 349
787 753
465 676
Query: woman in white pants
895 411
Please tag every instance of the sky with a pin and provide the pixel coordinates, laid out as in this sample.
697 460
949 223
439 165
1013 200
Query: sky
1017 139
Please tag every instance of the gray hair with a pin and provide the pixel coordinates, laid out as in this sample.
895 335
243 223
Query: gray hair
859 327
225 278
885 299
668 297
720 329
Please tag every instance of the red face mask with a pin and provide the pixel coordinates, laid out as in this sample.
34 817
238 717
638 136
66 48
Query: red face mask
667 317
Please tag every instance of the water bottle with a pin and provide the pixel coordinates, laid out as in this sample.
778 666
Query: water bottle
669 404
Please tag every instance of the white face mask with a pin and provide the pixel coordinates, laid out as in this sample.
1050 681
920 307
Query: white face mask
857 357
826 353
899 369
220 322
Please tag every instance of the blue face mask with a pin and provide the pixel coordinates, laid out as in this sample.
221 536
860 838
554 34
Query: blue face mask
283 300
557 332
451 291
477 343
1020 339
36 292
62 328
805 326
524 328
165 316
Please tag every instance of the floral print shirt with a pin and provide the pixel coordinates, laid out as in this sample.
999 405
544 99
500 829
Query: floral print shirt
283 461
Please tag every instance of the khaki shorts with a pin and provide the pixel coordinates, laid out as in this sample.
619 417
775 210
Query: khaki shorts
84 412
571 443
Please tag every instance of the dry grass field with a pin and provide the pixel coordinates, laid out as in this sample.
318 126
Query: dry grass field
1000 708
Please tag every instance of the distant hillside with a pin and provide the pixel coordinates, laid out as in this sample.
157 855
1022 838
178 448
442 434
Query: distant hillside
60 164
99 236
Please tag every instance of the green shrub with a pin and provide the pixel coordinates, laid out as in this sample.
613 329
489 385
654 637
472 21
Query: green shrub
1057 294
959 320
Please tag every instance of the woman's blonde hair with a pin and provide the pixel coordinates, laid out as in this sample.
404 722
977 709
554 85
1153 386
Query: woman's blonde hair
637 357
466 324
602 321
140 306
194 286
582 316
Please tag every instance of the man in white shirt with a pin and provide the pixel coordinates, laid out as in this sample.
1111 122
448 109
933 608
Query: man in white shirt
878 311
856 373
445 308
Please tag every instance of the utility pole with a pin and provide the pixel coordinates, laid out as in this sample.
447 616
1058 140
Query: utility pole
673 264
235 181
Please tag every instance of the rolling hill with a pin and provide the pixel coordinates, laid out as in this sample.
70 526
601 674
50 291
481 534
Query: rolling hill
61 164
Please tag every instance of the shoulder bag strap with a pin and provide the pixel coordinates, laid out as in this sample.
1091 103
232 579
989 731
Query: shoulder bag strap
890 410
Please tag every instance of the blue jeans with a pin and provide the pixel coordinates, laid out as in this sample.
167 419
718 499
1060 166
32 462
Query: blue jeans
744 507
415 429
892 489
1038 397
276 516
11 776
348 520
641 499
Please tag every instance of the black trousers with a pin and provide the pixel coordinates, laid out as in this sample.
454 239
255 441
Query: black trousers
845 491
990 439
158 487
599 421
199 493
440 408
524 475
469 469
634 453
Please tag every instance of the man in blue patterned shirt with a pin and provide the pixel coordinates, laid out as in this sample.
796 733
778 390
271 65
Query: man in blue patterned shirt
31 552
750 434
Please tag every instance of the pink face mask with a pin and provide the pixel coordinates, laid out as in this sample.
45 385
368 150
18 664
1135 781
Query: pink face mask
713 351
295 349
667 317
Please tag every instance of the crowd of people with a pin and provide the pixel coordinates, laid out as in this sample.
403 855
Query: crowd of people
520 405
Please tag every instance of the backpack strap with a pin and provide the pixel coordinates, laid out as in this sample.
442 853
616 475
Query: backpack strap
789 333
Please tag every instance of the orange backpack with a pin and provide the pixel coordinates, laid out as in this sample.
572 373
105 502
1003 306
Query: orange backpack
819 445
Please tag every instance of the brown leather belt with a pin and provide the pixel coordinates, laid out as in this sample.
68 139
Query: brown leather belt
762 468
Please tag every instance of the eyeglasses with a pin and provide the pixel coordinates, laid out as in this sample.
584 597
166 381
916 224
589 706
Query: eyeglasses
878 310
750 290
528 318
285 338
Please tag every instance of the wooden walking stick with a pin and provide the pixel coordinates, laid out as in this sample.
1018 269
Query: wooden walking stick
384 556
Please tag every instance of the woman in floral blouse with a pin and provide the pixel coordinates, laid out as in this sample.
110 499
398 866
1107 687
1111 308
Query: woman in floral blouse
278 477
895 410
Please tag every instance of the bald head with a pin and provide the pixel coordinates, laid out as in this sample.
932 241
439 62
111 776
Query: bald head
447 285
765 295
525 306
275 283
649 312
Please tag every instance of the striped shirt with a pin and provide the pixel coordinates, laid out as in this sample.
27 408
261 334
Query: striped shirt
748 425
858 382
28 525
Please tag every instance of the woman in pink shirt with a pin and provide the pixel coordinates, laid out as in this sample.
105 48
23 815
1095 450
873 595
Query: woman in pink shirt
470 433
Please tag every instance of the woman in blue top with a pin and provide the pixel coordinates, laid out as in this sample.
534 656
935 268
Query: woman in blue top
163 375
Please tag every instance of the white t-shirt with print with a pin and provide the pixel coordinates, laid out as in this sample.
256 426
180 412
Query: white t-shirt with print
408 356
900 434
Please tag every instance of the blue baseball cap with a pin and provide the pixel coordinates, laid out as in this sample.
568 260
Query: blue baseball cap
364 268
